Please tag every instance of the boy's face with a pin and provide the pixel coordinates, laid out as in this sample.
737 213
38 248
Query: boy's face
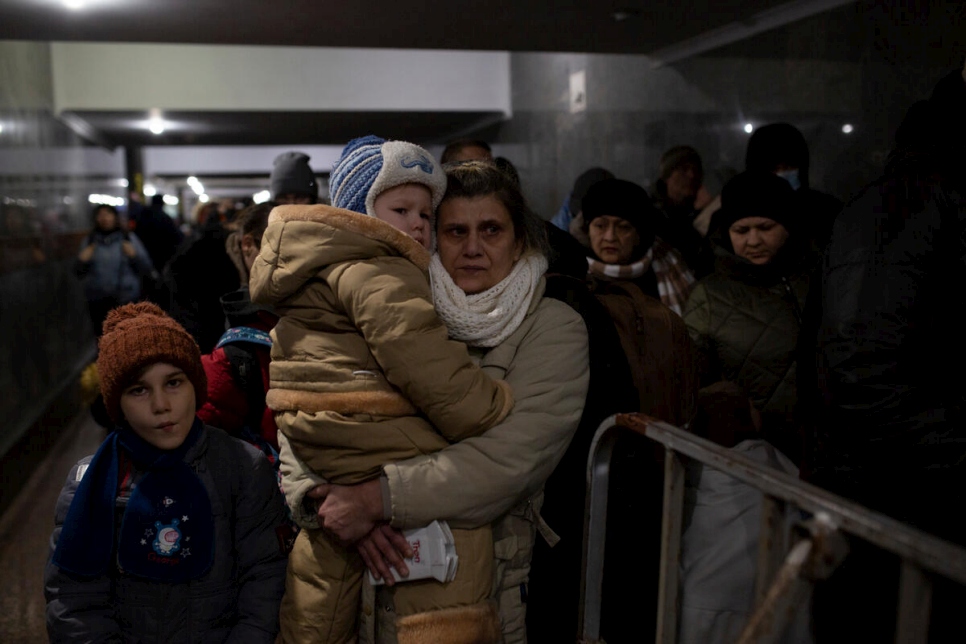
407 208
160 405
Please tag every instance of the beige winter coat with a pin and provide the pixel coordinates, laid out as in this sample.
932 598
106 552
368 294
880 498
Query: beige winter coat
359 346
498 477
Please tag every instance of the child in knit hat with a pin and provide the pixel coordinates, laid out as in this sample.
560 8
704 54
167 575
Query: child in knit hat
362 372
171 531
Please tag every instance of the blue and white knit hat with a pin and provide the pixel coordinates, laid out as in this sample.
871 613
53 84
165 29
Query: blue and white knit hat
370 165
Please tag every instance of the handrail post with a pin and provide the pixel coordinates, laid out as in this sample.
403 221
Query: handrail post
667 602
771 544
595 529
915 603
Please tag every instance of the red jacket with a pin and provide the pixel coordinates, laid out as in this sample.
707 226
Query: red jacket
227 406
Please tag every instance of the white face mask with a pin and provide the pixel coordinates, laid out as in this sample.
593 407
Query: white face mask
791 176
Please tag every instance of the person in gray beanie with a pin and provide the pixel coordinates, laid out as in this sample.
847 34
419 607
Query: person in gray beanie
293 181
680 176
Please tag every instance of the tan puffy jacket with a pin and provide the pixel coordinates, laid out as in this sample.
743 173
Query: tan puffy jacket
359 346
498 477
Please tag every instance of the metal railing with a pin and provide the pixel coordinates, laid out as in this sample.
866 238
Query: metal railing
785 573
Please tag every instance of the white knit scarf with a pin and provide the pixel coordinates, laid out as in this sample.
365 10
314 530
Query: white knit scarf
486 319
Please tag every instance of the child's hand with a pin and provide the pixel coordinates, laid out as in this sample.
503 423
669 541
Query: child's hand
349 512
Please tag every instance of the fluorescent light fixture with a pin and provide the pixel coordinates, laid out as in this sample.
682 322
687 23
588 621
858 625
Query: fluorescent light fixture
155 121
261 197
192 180
106 200
847 128
749 128
731 32
74 4
122 182
203 198
150 190
198 188
171 200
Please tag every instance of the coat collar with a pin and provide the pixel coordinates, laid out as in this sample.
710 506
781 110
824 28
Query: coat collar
353 222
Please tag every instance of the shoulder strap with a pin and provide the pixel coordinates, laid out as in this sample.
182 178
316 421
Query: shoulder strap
246 371
244 334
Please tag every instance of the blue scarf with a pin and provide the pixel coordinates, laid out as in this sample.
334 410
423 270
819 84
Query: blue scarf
167 530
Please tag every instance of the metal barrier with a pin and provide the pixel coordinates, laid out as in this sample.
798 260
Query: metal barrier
782 580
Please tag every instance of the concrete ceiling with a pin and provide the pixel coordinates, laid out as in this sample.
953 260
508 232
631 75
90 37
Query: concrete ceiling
588 26
282 128
614 26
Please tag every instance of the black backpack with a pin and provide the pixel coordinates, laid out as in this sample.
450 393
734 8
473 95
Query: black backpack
241 344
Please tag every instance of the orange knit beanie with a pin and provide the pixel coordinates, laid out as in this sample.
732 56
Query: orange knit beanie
136 336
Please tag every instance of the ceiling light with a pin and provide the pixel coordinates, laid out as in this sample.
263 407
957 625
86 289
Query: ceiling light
198 188
108 200
74 4
261 197
150 190
192 180
156 126
203 198
622 14
171 200
847 128
1 128
749 128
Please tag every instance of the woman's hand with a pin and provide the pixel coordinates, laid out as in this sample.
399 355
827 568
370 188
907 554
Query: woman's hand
128 249
349 511
385 548
86 254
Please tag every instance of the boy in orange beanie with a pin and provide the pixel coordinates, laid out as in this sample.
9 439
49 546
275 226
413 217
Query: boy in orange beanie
171 531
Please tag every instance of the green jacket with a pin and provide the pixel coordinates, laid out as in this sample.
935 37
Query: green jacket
744 320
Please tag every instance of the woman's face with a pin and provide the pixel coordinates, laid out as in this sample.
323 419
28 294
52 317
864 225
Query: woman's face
476 242
106 220
613 239
757 239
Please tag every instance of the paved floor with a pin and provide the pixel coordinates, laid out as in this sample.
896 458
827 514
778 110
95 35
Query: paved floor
25 534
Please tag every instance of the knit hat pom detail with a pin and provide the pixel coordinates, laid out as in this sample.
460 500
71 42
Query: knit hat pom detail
117 316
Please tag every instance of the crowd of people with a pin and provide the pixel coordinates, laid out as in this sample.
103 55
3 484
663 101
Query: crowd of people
417 369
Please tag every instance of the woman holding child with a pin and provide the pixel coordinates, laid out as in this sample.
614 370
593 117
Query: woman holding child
476 467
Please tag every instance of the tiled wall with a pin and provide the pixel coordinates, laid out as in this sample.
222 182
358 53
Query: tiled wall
45 178
859 65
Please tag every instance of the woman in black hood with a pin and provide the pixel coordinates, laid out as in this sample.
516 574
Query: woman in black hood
780 148
745 317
